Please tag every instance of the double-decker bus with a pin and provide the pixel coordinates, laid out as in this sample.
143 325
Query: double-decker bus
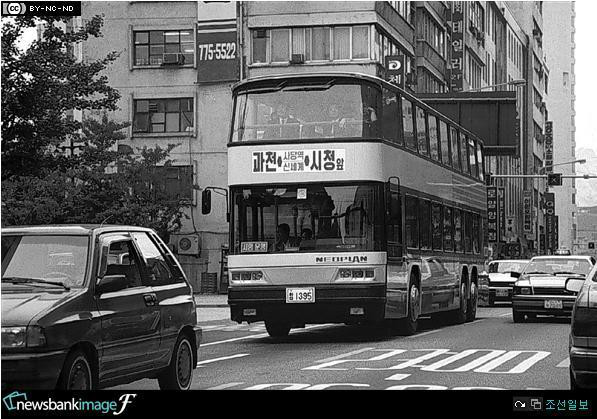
351 202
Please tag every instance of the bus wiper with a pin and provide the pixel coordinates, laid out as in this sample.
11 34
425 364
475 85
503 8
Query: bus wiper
300 87
20 280
266 89
537 272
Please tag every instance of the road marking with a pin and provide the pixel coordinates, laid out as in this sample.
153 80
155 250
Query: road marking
333 358
564 364
287 386
464 354
209 361
518 369
418 335
326 386
398 377
225 386
262 335
506 315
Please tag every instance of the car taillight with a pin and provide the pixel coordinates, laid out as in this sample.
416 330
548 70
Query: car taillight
584 323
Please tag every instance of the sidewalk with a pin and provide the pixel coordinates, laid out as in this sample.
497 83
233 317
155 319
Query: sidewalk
211 300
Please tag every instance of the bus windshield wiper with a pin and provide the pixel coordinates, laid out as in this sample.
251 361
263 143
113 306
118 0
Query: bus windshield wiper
537 272
20 280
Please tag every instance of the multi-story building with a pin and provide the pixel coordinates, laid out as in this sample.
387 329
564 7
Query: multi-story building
559 48
529 16
586 240
168 101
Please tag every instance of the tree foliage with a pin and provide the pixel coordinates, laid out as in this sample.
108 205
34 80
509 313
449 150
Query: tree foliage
41 184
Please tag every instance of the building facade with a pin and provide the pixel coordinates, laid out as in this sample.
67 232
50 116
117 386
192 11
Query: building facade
175 90
559 48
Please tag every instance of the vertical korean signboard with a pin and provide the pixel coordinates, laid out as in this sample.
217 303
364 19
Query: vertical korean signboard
502 214
549 146
457 46
492 214
217 46
550 221
527 212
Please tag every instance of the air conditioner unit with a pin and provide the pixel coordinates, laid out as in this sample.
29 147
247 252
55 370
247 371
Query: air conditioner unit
297 59
174 58
186 244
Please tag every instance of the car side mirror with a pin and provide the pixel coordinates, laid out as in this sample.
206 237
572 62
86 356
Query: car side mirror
515 274
111 283
574 284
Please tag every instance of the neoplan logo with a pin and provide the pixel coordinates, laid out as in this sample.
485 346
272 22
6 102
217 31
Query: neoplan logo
341 259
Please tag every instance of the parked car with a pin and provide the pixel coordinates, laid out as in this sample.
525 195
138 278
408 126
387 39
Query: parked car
502 275
541 286
583 333
85 307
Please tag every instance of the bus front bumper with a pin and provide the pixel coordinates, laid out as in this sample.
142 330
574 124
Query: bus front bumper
346 303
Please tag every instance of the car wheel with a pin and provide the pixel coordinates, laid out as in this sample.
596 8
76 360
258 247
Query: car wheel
179 374
517 316
471 310
277 329
409 325
77 373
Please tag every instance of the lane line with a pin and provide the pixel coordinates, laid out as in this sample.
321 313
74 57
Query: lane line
262 335
506 315
209 361
225 386
333 358
564 364
398 377
424 334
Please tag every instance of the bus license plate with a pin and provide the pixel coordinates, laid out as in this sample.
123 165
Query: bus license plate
553 304
300 295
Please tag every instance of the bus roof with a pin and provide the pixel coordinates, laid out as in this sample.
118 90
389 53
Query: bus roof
379 81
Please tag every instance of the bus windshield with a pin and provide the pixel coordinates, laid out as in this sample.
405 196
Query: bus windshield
314 217
293 109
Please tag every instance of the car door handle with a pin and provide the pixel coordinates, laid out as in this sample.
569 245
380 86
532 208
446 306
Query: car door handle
150 299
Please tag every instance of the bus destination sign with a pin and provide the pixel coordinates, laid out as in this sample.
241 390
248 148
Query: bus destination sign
299 161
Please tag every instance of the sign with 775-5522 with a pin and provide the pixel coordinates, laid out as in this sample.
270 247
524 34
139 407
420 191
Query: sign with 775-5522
217 55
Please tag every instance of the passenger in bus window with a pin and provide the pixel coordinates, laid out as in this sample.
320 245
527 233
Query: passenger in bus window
283 124
307 241
283 241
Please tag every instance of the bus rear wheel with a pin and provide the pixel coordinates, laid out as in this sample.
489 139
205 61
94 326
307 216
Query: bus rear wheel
459 315
277 329
409 325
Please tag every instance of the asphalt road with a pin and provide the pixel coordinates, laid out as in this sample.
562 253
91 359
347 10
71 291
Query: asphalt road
490 353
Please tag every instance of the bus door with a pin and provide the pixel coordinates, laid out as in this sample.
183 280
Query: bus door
397 281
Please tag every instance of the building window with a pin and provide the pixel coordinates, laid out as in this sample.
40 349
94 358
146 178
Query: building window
150 46
175 182
432 33
476 16
403 8
322 43
163 115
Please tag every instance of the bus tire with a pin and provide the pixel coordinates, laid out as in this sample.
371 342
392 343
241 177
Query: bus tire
459 315
471 310
408 326
277 329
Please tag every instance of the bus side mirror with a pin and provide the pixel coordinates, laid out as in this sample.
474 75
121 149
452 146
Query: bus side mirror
206 202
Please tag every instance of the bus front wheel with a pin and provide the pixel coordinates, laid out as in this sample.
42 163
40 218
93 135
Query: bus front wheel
277 329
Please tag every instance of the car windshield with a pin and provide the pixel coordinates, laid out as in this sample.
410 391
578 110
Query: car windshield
558 266
308 218
297 109
507 266
59 259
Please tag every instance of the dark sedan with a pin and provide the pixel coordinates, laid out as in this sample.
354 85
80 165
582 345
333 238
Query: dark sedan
85 307
583 333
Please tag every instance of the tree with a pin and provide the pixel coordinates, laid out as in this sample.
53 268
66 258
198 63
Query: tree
41 184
